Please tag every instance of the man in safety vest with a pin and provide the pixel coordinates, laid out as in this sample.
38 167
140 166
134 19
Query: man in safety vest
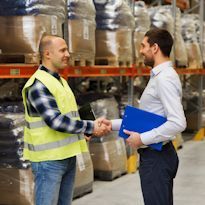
54 133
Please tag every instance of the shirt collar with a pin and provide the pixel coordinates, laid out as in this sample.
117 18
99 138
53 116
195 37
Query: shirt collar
156 70
54 74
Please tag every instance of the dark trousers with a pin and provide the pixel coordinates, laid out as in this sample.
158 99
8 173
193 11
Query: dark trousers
157 171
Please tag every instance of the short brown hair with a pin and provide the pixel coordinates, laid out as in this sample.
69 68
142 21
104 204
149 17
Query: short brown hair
162 38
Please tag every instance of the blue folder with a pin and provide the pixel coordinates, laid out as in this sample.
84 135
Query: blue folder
140 121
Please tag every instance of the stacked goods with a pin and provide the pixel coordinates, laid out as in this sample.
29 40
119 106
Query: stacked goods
142 25
203 46
84 175
109 158
81 32
195 117
161 17
16 186
190 33
23 23
108 153
115 25
16 183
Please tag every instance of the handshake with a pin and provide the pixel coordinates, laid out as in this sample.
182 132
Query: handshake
102 127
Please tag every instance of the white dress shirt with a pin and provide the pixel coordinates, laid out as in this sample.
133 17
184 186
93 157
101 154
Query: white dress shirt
162 96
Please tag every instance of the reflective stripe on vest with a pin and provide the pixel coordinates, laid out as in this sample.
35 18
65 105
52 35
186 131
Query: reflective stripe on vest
41 123
53 145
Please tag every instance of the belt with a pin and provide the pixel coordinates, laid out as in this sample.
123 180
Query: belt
145 146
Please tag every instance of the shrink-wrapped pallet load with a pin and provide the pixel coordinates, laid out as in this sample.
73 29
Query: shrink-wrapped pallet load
84 175
203 46
108 153
23 23
142 25
109 159
16 181
16 186
81 32
114 34
190 33
162 17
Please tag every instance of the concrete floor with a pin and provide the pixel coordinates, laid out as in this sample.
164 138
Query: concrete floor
188 189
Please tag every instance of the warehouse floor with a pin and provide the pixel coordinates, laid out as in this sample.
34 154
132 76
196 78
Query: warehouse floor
188 190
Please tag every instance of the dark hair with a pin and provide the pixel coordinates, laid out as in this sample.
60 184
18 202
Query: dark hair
162 38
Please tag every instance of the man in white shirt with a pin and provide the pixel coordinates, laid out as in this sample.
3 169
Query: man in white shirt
161 96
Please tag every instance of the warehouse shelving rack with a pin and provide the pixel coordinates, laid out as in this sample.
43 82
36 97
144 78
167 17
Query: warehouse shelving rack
26 70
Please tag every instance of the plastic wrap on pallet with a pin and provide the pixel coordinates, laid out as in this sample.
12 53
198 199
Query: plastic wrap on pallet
81 9
84 175
22 34
11 107
81 31
142 24
16 186
107 107
161 17
114 44
203 46
114 35
81 34
190 33
112 15
32 7
9 90
11 140
109 159
142 19
180 48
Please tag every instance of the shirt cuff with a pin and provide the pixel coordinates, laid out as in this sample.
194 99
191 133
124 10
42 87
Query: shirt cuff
116 124
89 126
147 138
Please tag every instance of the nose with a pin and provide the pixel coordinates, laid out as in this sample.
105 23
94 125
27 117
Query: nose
141 51
67 54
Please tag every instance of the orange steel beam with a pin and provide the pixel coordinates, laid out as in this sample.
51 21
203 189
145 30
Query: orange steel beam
26 70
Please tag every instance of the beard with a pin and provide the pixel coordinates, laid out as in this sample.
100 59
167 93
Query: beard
149 62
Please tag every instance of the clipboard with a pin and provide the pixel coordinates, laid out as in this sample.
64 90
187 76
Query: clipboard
140 121
86 113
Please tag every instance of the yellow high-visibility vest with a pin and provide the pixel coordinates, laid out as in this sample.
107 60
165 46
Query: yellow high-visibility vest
41 143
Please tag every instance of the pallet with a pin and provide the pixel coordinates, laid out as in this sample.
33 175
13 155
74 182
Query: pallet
81 60
28 58
108 175
83 190
139 64
112 61
179 65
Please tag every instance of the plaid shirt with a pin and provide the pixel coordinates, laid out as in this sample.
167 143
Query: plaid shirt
40 102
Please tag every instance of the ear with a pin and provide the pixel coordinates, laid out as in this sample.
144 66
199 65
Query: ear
155 48
47 54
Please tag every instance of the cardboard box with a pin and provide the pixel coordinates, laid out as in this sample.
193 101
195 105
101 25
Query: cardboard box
84 175
16 186
114 44
22 34
81 35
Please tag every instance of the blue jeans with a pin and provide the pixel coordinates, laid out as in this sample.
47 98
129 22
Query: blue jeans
54 181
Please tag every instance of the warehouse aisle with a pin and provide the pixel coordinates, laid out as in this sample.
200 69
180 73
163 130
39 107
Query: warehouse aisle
189 183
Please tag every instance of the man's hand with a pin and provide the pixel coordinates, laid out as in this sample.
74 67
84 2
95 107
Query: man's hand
134 139
102 127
